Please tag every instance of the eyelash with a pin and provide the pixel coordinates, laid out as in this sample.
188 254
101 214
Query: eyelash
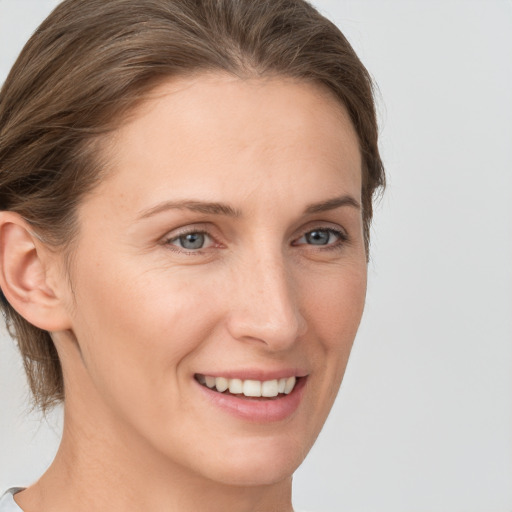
181 250
337 245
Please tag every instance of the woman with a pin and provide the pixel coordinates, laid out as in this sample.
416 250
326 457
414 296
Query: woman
186 192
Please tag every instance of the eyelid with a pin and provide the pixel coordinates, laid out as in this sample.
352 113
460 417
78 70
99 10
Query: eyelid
192 232
200 228
185 232
341 234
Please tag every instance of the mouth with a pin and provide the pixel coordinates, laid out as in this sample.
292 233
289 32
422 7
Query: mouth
249 388
257 401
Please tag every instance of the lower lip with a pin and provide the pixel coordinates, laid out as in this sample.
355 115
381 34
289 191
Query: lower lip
258 411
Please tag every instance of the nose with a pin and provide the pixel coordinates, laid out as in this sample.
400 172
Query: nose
266 306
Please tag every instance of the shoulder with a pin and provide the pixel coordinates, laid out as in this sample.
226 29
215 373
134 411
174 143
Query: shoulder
7 503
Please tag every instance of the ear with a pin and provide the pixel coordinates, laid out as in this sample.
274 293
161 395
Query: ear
28 271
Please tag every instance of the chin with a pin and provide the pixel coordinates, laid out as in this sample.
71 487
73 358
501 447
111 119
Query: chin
259 462
254 475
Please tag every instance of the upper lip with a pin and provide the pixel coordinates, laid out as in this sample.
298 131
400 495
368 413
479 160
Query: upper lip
256 374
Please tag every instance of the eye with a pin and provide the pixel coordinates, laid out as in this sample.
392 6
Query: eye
322 237
192 241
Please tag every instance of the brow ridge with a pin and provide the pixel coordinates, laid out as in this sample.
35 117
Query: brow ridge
332 204
212 208
216 208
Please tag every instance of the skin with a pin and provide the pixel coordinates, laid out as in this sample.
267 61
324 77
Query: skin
138 316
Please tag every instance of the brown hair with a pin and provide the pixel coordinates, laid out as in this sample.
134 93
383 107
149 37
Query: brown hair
92 60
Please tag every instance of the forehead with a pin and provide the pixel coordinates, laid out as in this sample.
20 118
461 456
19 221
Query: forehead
213 127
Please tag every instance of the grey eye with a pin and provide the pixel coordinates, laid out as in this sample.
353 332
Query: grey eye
318 237
192 241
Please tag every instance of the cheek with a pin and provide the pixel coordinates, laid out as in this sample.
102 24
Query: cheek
137 329
335 306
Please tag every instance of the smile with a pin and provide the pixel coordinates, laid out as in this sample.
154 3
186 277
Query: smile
249 388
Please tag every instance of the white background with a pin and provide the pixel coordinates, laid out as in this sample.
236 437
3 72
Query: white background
424 418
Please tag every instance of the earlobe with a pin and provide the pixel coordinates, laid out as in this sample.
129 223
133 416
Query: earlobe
24 265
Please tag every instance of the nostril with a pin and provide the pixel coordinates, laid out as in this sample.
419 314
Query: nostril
278 329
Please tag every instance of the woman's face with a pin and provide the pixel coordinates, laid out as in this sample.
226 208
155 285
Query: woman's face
224 248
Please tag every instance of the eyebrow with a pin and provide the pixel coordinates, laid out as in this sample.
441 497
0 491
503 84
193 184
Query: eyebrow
332 204
214 208
192 205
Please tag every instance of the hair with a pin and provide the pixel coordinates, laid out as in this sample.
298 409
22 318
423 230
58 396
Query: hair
88 65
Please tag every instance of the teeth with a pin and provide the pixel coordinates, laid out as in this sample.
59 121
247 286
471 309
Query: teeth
221 384
290 384
252 388
249 388
269 388
236 386
210 381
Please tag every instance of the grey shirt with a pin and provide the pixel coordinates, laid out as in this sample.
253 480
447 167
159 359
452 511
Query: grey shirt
7 503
